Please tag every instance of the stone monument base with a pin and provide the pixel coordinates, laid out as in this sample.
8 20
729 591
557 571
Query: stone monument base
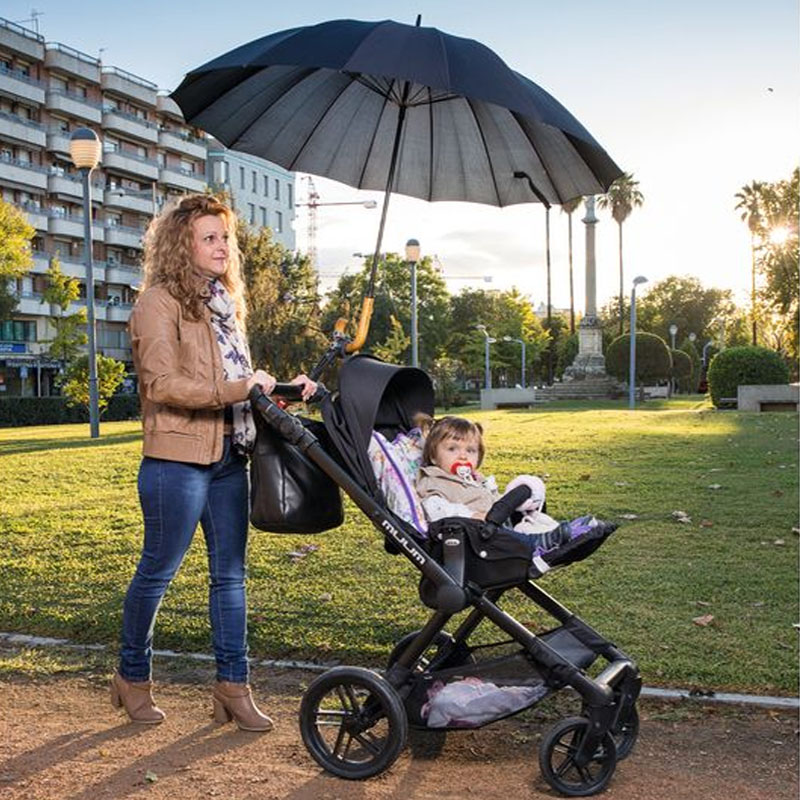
590 362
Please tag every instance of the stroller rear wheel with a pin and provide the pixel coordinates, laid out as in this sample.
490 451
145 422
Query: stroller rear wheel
557 759
626 733
442 653
353 722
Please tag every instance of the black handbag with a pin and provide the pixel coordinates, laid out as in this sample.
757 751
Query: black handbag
289 493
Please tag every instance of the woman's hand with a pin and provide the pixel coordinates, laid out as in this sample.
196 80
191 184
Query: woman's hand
309 386
263 379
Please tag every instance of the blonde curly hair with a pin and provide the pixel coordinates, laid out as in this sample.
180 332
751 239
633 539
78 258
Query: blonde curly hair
168 248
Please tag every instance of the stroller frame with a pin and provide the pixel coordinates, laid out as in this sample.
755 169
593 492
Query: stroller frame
579 755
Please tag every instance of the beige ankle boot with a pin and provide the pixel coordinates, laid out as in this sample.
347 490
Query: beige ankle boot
234 701
136 698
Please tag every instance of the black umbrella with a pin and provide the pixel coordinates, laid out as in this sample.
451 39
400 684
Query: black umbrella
398 108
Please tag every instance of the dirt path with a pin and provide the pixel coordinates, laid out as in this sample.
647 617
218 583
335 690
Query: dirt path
60 740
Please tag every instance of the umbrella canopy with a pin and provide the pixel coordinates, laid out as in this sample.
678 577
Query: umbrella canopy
400 108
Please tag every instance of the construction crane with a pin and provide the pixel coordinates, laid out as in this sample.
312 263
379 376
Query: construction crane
312 204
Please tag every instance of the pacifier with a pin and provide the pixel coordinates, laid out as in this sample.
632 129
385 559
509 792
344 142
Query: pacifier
463 469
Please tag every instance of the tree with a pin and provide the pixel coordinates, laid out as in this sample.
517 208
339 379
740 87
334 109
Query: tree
749 200
283 304
623 196
69 337
75 381
16 257
395 344
569 207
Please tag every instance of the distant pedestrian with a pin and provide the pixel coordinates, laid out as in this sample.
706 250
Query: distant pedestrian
193 366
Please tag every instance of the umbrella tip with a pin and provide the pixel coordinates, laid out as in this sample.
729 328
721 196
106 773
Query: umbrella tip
419 19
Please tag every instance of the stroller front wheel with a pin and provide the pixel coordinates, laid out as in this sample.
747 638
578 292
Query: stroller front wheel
353 722
557 759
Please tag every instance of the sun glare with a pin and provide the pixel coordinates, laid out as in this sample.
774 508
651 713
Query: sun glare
778 235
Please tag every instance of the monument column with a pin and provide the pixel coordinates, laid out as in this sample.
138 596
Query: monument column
589 363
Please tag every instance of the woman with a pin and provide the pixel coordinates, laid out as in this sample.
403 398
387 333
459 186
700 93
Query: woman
192 360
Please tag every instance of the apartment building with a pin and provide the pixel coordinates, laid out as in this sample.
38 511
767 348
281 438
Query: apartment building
261 192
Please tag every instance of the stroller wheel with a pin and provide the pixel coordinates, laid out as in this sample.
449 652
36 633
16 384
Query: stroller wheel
626 734
557 759
353 722
441 654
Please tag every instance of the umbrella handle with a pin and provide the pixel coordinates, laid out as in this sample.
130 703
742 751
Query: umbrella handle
363 326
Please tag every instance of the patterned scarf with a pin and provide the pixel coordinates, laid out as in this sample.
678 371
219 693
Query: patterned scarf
235 360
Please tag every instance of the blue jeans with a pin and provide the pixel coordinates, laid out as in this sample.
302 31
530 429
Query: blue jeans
175 496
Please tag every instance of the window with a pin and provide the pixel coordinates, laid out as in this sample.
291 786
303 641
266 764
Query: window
277 189
278 222
113 257
241 177
263 217
255 182
252 209
266 186
59 84
110 144
187 167
289 193
18 331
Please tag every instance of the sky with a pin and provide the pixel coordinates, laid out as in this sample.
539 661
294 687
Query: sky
695 97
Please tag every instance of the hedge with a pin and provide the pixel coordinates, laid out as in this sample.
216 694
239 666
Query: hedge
21 411
653 359
743 366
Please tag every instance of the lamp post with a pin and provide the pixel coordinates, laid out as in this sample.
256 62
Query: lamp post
522 342
487 366
85 150
632 374
673 330
412 257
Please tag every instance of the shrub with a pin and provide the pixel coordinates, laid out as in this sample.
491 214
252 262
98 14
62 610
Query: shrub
741 366
21 411
653 361
681 369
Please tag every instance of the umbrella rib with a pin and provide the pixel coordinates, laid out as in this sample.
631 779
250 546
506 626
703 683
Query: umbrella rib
430 148
486 150
372 139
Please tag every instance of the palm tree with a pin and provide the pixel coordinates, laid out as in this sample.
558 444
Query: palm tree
623 196
568 208
751 202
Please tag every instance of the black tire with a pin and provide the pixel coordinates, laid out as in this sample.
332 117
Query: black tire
353 722
626 734
433 654
556 754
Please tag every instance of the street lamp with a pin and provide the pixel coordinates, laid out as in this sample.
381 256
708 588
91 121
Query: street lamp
85 151
673 330
487 369
543 200
522 342
412 256
632 375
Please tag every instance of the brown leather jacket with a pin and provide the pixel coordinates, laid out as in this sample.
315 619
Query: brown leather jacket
181 383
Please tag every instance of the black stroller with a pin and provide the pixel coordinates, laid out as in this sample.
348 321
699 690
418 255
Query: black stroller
354 721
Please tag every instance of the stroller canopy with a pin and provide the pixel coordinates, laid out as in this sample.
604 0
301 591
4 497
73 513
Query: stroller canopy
373 395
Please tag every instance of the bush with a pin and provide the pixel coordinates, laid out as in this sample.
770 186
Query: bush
742 366
21 411
682 369
653 361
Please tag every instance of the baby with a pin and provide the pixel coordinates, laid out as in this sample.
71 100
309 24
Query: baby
449 484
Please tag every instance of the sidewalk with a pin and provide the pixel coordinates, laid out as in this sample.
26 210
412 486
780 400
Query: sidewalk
61 740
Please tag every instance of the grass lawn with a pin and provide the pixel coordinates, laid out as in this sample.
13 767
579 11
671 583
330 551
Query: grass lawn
70 529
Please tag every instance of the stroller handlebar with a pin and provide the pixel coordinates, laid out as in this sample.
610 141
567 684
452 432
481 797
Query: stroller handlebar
290 391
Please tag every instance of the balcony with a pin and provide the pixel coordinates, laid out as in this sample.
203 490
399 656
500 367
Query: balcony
99 305
77 269
130 125
58 142
23 175
141 202
118 312
131 164
31 303
37 216
123 236
20 40
66 59
179 179
67 186
123 274
22 131
169 108
183 144
117 81
71 225
18 86
73 105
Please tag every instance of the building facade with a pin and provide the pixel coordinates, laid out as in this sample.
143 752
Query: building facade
262 193
47 90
